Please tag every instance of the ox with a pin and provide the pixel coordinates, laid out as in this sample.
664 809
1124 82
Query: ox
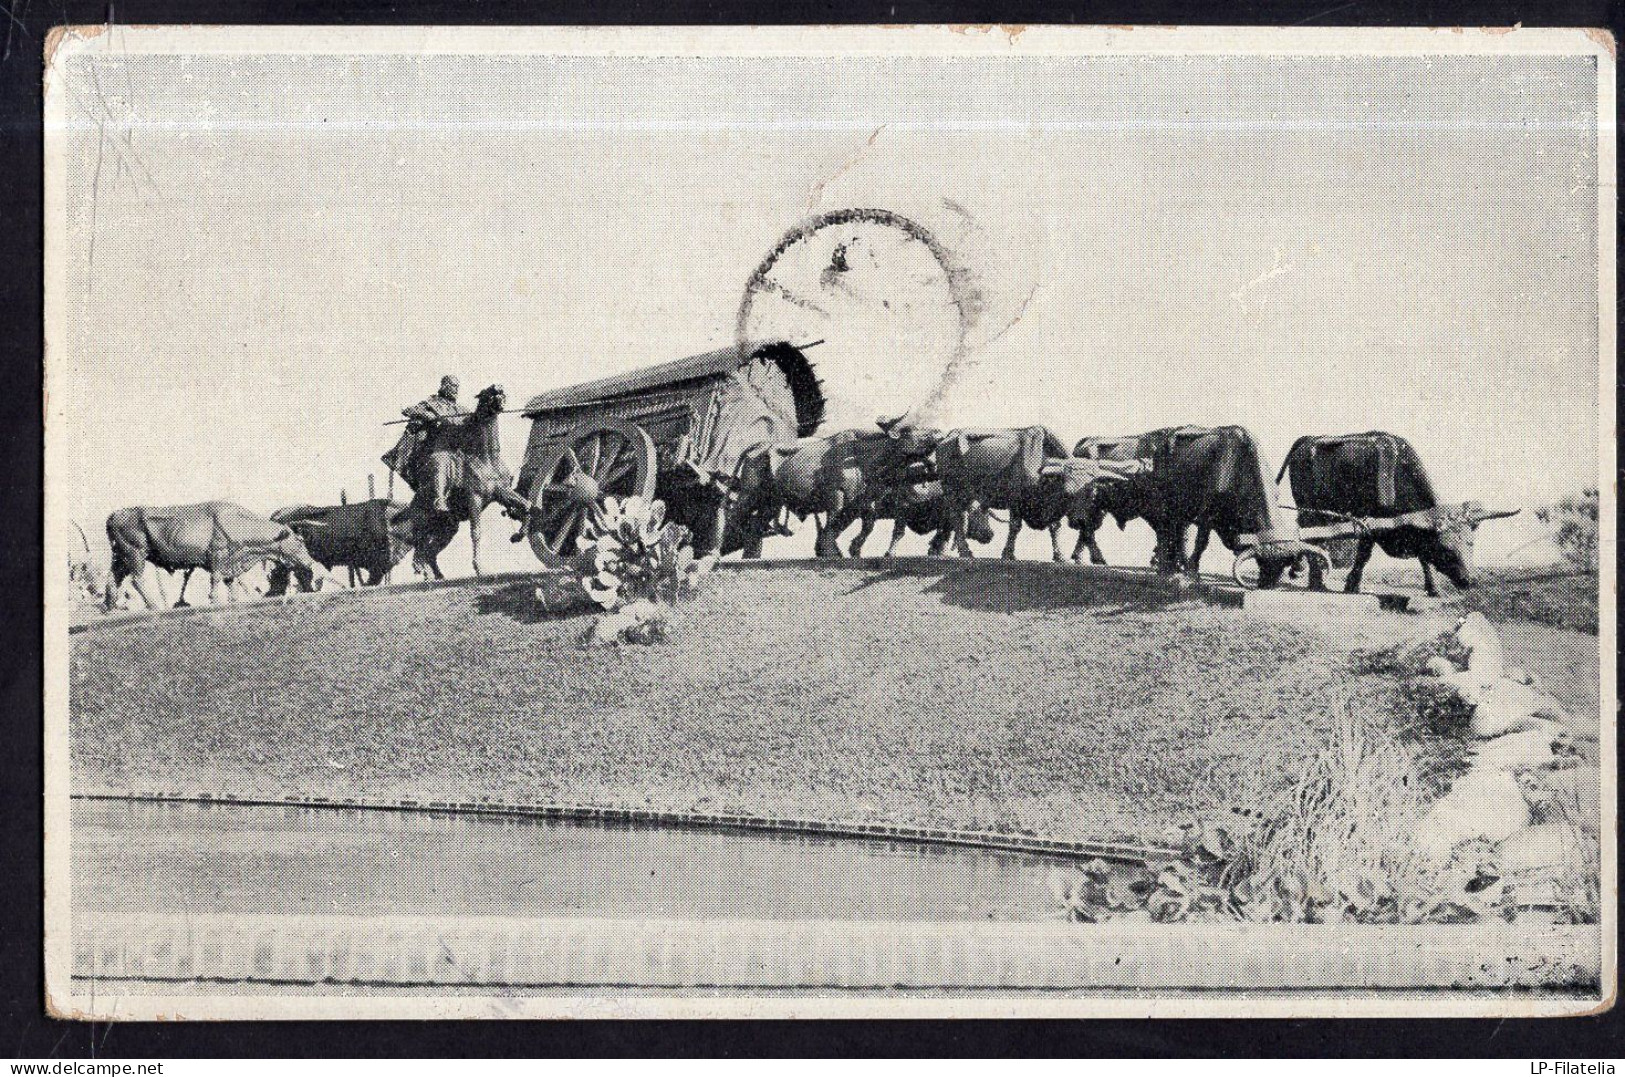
1213 479
840 476
1378 475
1026 471
219 536
1122 501
366 537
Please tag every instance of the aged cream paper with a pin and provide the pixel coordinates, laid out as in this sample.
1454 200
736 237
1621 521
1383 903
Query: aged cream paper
263 243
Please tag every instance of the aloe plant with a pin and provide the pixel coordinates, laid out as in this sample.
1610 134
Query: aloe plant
635 565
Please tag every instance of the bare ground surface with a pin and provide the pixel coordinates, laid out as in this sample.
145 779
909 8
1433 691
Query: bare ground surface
1009 697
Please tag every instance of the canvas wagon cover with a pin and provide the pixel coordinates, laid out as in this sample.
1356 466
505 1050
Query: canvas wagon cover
708 410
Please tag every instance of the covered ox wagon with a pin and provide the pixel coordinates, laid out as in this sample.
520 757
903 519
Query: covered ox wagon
677 431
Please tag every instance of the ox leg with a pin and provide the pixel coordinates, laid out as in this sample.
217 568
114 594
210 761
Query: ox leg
1009 553
866 525
753 549
961 526
825 544
1165 559
719 527
897 529
1055 553
186 581
144 581
1357 570
1086 540
840 522
219 589
1082 544
1317 574
1193 564
1427 581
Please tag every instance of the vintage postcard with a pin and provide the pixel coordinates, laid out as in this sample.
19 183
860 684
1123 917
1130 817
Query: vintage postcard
893 521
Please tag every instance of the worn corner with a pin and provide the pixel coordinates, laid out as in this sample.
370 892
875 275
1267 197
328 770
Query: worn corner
1605 40
59 36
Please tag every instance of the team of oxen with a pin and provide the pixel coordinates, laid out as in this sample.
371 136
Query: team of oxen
1184 482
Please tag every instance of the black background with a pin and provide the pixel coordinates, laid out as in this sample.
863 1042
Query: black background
25 1029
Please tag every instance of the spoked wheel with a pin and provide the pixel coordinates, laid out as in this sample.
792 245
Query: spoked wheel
601 458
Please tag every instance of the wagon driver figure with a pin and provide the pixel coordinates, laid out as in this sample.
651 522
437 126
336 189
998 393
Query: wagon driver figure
422 419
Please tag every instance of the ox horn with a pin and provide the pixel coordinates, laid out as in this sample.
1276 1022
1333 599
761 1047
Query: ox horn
1478 513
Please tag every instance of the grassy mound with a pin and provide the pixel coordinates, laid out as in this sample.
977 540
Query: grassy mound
1005 696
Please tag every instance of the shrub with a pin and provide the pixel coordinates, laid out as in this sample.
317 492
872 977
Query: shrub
635 566
1408 659
1573 521
1440 706
1337 843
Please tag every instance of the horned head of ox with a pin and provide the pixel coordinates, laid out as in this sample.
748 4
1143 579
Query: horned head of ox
1450 548
1468 514
911 438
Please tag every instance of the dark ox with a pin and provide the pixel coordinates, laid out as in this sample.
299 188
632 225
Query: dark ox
1213 479
221 537
1026 471
839 477
1124 502
364 536
1379 475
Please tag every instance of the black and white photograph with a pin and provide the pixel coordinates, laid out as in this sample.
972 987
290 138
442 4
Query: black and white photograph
974 521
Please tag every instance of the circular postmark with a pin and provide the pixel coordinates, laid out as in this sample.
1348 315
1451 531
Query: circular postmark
893 305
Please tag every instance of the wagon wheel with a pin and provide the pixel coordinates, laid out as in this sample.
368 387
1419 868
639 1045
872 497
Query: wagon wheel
599 458
1245 570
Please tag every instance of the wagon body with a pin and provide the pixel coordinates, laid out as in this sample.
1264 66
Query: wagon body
677 431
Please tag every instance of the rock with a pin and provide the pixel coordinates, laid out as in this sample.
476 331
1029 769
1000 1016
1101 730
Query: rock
1485 654
1485 804
1506 706
1512 751
1439 666
1469 685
